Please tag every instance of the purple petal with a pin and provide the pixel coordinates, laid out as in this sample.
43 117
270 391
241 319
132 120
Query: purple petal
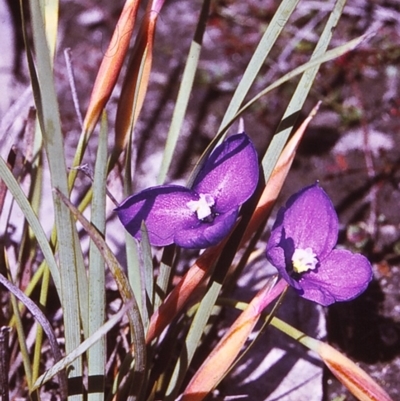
203 234
308 220
230 174
164 210
279 248
342 276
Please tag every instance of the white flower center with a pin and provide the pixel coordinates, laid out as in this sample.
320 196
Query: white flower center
202 207
304 260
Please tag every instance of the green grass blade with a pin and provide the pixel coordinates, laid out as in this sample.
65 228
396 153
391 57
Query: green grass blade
162 283
33 221
327 56
134 270
193 337
185 90
269 38
70 261
44 291
266 43
300 94
42 320
132 247
22 341
148 276
82 282
135 319
97 283
83 347
51 13
164 275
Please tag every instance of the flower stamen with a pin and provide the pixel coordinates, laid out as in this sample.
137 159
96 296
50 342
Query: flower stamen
304 260
202 206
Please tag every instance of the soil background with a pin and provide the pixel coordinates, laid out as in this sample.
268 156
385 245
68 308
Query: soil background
352 148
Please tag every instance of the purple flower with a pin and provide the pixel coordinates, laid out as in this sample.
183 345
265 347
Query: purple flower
201 216
301 247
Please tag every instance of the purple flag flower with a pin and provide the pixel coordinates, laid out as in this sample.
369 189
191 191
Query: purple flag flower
201 216
301 247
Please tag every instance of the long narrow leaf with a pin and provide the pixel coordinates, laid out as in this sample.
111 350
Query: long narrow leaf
32 220
148 273
274 29
48 114
327 56
51 13
97 283
135 320
185 90
21 339
42 320
44 291
82 348
299 97
163 278
265 45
